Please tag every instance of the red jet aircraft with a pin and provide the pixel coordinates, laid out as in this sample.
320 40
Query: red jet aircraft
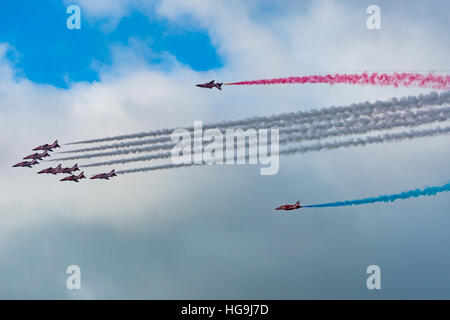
48 147
28 164
290 206
37 156
51 170
70 170
74 177
57 170
105 176
210 85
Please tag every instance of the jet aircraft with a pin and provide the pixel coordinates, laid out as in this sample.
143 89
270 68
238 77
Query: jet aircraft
70 170
28 164
105 176
290 206
210 85
74 177
48 147
37 156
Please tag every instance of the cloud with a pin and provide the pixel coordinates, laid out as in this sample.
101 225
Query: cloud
186 227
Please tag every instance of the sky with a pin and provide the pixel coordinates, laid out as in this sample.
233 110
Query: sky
211 232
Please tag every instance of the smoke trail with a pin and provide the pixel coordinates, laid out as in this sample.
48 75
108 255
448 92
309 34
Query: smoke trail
307 116
353 142
430 191
317 131
395 79
289 120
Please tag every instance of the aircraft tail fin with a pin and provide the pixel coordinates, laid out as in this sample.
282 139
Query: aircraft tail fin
219 85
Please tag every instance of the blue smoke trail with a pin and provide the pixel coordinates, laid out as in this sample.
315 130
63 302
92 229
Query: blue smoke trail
430 191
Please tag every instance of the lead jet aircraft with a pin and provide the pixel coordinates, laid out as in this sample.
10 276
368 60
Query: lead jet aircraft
105 176
290 206
28 164
37 156
70 170
210 85
74 177
48 147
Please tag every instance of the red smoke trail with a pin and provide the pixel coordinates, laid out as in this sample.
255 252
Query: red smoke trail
383 79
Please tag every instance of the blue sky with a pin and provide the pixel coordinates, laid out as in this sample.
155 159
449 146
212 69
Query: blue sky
47 52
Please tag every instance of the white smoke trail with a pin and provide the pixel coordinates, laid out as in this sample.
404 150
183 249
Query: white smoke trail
432 98
412 134
284 140
294 120
318 130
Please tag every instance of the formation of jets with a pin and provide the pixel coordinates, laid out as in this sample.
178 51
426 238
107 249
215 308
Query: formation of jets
210 85
294 206
104 176
58 169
